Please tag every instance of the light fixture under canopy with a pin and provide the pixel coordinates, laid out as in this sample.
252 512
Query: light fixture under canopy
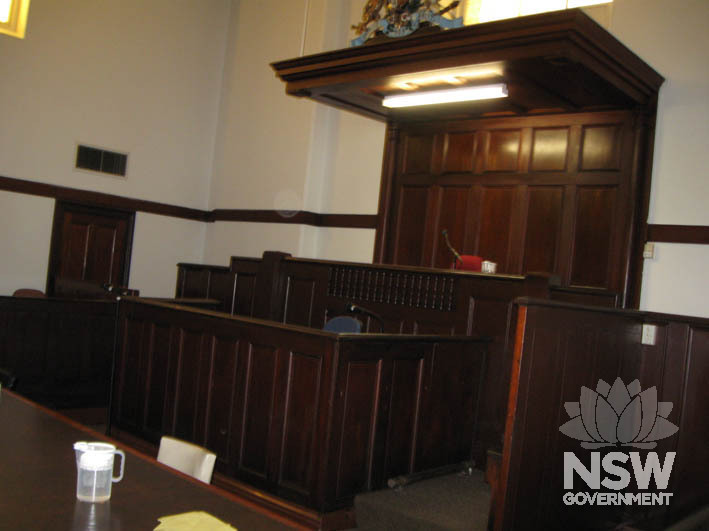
435 97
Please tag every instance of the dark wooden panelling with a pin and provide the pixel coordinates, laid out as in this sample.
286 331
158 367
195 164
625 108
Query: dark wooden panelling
450 379
559 348
158 365
543 228
503 151
453 207
221 288
258 409
279 403
245 270
361 393
495 224
691 484
406 381
411 226
459 152
549 149
587 296
223 385
301 416
234 286
511 215
189 348
600 148
195 283
300 296
424 301
244 295
129 398
593 236
418 151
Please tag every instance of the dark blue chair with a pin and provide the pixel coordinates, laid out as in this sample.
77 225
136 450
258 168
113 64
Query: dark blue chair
7 379
344 324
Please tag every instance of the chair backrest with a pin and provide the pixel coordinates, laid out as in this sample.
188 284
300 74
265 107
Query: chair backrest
344 324
186 457
27 292
7 379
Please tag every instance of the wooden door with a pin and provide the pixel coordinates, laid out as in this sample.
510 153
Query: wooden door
91 244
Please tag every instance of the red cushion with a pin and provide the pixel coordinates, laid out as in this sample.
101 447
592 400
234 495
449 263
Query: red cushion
469 262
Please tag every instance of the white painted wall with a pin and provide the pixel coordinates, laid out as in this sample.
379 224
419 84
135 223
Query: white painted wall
159 244
345 244
675 281
672 38
279 152
25 233
133 76
226 239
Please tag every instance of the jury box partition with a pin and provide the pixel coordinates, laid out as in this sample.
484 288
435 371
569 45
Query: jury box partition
60 351
410 300
560 348
310 416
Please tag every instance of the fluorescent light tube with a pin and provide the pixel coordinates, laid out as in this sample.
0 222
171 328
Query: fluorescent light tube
482 92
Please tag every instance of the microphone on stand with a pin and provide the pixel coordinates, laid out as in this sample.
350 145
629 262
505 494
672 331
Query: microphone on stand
450 247
466 262
353 308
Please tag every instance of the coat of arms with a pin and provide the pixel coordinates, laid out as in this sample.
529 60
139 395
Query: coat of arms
398 18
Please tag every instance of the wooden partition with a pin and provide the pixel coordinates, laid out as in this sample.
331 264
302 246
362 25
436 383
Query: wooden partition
310 416
550 193
559 348
411 300
233 286
60 350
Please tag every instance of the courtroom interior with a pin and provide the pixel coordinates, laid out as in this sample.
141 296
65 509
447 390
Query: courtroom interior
217 229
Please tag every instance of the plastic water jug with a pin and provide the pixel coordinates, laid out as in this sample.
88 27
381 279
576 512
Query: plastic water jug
94 466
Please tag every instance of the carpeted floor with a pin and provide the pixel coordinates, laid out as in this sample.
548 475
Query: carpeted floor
452 502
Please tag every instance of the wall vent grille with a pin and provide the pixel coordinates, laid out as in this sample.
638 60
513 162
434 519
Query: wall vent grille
104 161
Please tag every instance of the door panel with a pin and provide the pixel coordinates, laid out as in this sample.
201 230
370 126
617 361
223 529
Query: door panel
90 244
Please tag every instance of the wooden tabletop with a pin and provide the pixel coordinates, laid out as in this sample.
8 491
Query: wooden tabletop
38 481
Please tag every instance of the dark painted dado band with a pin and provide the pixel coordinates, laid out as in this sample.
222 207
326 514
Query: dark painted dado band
63 193
697 234
678 233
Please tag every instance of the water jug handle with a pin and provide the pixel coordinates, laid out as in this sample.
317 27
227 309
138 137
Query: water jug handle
123 464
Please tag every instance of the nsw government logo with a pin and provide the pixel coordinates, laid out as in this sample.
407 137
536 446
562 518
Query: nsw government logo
618 416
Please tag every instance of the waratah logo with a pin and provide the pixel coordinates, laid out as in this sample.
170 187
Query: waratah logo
618 416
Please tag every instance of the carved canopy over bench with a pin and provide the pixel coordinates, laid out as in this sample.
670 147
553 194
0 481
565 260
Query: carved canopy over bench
553 178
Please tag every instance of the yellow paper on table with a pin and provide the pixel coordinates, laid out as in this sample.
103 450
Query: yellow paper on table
194 521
